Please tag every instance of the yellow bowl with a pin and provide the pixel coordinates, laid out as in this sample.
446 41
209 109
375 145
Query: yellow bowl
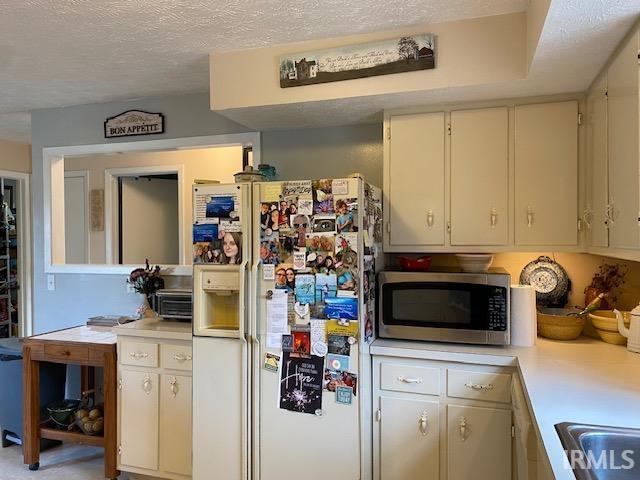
556 324
612 337
606 320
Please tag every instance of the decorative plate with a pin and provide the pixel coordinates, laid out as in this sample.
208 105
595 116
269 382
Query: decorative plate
550 281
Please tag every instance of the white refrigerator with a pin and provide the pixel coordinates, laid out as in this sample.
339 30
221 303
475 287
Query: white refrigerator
282 331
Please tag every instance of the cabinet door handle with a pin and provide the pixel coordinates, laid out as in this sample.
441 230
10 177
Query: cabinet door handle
147 385
404 379
609 214
529 216
430 218
138 355
463 428
476 386
422 423
587 217
173 386
179 357
493 217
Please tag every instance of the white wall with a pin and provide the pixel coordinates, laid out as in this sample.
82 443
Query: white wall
15 156
325 152
78 296
468 52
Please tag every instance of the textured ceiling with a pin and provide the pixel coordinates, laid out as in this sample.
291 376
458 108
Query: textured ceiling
69 52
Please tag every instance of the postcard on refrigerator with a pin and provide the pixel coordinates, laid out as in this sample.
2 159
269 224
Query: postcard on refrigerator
305 288
301 384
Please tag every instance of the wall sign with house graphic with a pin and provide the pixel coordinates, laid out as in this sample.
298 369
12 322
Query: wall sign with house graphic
398 55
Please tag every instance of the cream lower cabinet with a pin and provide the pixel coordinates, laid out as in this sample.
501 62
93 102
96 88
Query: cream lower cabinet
478 443
437 420
154 407
409 438
138 429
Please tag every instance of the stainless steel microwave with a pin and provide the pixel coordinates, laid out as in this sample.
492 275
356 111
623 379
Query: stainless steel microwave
445 306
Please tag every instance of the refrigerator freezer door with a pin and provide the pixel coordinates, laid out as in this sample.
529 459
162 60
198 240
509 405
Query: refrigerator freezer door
220 419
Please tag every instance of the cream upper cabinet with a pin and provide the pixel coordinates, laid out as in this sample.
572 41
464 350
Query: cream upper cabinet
480 177
414 181
546 174
597 210
478 443
623 146
409 439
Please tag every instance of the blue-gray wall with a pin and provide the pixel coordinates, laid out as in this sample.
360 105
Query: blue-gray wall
305 153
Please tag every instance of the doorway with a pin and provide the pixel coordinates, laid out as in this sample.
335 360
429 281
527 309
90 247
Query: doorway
15 260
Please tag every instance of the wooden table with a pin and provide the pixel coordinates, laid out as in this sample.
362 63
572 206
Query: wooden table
85 346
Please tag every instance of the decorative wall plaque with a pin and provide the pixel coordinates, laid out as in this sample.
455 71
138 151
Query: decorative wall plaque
96 209
397 55
134 122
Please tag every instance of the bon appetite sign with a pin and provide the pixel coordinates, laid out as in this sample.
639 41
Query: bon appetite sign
404 54
134 122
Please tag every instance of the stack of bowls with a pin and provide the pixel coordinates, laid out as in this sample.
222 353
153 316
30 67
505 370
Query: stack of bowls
605 323
558 324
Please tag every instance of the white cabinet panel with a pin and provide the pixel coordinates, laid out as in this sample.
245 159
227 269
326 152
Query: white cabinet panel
409 439
139 419
480 177
546 174
175 424
415 181
623 132
478 443
597 154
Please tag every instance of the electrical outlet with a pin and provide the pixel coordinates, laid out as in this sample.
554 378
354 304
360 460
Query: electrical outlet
51 282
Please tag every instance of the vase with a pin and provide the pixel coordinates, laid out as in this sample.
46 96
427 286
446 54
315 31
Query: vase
145 310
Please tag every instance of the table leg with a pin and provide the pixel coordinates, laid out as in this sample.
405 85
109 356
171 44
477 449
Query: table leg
87 378
110 382
31 392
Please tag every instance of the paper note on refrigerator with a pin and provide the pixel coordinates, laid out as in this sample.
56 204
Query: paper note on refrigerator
276 318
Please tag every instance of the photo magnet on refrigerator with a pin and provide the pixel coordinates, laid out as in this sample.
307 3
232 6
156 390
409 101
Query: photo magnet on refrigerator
344 395
271 362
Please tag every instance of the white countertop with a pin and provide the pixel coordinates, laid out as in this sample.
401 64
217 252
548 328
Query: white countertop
81 334
582 381
157 328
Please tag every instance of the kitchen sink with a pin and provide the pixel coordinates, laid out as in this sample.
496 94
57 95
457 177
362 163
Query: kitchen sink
596 452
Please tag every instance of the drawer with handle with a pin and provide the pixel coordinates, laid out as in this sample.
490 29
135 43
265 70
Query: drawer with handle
487 386
141 354
176 357
410 378
70 353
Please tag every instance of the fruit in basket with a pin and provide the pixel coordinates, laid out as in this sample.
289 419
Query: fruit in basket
80 414
95 413
98 425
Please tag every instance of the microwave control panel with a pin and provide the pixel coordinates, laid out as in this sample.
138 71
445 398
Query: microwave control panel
497 310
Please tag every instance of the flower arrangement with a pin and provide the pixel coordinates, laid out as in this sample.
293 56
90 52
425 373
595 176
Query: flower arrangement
146 280
606 280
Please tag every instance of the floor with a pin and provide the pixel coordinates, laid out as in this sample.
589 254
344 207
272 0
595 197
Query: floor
65 462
